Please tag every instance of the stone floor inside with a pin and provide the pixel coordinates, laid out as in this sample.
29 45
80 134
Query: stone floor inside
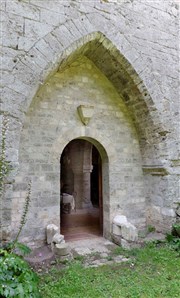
81 224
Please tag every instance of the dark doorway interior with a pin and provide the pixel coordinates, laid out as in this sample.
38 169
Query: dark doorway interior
81 191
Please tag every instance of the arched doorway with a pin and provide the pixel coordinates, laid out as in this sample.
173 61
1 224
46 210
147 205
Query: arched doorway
81 190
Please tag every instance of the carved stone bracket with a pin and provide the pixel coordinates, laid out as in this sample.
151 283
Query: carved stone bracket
85 113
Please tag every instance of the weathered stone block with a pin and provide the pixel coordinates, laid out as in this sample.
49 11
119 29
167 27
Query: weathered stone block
168 212
119 220
61 249
116 230
123 228
51 230
57 238
51 18
23 9
35 30
129 232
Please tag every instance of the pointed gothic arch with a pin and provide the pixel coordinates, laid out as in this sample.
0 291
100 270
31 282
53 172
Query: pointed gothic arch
52 54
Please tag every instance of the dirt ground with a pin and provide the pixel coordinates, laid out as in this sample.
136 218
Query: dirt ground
93 252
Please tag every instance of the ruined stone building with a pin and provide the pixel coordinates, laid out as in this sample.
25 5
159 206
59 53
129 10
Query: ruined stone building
91 93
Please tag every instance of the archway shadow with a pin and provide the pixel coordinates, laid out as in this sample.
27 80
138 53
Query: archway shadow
81 191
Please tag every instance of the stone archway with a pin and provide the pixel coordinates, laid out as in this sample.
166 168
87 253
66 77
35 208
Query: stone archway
81 190
140 108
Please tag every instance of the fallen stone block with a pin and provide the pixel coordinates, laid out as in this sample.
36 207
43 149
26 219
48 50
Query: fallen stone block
53 244
81 251
129 232
116 239
61 249
51 230
57 238
119 220
123 228
168 212
116 230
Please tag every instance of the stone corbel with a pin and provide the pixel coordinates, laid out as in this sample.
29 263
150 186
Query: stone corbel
85 113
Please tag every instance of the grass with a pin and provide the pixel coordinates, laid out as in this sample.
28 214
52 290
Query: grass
152 271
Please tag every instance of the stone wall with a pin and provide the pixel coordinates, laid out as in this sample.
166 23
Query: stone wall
53 121
134 44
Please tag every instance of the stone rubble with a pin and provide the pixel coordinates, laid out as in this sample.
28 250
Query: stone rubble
57 238
51 230
61 249
124 230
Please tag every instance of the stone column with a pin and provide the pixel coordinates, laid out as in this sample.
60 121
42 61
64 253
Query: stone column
76 153
86 203
81 155
87 169
78 188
